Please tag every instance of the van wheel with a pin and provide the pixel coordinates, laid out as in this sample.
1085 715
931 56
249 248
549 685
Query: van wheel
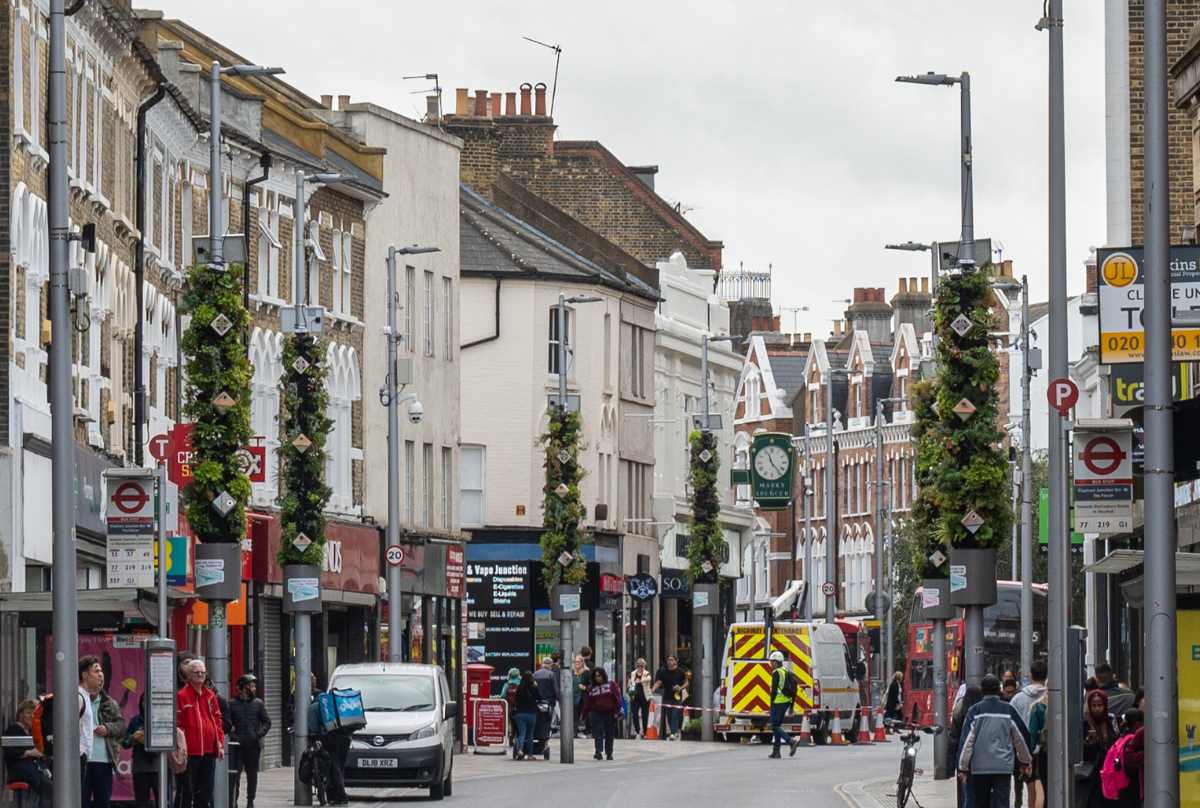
448 787
437 791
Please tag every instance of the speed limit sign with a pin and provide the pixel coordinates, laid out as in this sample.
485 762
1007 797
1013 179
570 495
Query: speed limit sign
394 555
827 588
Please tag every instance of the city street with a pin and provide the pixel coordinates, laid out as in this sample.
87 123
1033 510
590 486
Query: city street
658 773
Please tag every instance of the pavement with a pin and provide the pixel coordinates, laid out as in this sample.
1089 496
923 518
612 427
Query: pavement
646 773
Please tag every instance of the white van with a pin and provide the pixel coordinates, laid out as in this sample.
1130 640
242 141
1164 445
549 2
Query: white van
815 652
409 737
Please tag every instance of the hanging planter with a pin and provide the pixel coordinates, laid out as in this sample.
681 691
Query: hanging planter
562 506
706 540
303 432
217 403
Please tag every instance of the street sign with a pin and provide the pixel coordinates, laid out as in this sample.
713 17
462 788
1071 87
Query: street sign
1044 520
827 589
1062 395
1122 295
130 561
1103 476
179 455
1128 385
394 555
160 447
130 503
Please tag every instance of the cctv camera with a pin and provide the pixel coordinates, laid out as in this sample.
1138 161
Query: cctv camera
416 412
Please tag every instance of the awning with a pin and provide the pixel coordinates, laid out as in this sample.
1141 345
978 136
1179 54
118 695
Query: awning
329 595
141 604
1187 565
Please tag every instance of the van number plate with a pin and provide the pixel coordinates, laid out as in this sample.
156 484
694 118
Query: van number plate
378 763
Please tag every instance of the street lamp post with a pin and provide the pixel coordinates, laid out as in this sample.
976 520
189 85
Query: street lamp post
806 492
566 731
706 621
884 671
935 266
218 635
1026 492
391 399
302 620
830 506
973 663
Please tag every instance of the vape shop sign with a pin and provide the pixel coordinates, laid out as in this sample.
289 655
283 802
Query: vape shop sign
1103 465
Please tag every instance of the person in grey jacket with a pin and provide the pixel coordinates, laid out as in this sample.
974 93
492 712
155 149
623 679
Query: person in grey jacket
994 740
546 679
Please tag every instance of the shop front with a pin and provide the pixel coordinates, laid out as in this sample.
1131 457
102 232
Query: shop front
342 633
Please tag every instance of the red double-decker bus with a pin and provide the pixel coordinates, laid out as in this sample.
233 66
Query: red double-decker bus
1001 646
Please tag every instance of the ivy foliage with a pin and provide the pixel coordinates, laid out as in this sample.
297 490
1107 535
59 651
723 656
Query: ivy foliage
706 541
960 465
216 364
304 399
562 512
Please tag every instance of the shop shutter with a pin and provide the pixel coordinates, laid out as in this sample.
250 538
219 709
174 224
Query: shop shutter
275 684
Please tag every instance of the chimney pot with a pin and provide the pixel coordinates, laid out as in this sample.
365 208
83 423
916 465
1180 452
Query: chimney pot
510 103
496 98
462 104
903 286
526 98
860 294
481 108
539 92
432 104
808 336
924 286
327 101
343 102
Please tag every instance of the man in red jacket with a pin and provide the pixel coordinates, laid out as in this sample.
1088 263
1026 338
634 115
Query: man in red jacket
199 717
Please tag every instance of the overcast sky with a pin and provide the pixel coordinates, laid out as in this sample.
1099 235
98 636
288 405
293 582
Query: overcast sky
777 122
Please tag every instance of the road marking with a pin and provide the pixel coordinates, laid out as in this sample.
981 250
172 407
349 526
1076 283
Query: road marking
855 796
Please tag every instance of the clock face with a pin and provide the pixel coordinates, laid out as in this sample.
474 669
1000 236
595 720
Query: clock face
771 462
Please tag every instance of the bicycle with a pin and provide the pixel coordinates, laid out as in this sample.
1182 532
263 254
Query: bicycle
910 737
315 764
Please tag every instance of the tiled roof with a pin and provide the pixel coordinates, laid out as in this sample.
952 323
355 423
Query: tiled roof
789 372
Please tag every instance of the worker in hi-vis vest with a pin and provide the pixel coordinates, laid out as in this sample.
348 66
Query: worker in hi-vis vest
783 694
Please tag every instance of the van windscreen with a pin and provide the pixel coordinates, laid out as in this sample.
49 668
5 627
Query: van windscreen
389 693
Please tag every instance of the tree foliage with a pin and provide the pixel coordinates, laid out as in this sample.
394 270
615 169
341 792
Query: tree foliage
562 509
216 364
706 542
304 400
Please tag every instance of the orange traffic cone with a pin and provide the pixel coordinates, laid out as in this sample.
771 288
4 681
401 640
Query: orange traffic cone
651 733
835 731
880 734
864 726
805 736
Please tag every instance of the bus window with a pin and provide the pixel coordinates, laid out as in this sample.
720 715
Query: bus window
920 674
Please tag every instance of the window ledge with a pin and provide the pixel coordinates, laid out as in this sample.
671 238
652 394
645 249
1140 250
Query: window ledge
347 319
268 300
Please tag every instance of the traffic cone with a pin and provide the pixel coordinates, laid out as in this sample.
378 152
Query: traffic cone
864 726
651 733
835 732
805 736
880 734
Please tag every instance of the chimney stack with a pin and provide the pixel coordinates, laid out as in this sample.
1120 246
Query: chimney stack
510 104
327 101
432 108
539 91
462 103
912 303
870 313
343 102
526 93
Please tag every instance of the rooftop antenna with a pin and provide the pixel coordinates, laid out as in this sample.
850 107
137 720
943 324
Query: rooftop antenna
557 56
437 88
998 251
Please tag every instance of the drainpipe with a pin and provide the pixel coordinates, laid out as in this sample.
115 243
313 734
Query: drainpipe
139 274
265 162
496 335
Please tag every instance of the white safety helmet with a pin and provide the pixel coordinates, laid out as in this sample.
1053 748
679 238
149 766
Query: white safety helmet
777 656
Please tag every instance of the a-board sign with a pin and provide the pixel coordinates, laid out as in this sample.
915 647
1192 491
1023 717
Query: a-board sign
491 723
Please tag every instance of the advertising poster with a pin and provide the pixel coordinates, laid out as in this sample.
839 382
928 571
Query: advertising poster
1188 638
498 597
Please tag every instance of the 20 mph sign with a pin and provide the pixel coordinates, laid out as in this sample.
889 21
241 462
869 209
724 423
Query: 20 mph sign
1103 476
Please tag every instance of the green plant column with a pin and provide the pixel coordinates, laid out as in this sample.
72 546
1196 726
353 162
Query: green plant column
922 526
304 430
969 471
216 402
706 541
562 506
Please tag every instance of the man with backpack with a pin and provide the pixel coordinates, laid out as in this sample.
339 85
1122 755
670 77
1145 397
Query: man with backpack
995 740
783 696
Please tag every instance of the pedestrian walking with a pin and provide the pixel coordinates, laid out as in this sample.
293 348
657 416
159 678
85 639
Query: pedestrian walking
1023 703
108 729
1119 698
548 694
971 695
508 692
1099 734
783 697
641 691
250 725
583 679
893 703
27 766
1008 689
1135 760
1038 734
198 714
602 708
671 681
525 698
144 765
994 740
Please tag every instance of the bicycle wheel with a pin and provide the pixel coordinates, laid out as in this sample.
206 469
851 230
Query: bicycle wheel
905 783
